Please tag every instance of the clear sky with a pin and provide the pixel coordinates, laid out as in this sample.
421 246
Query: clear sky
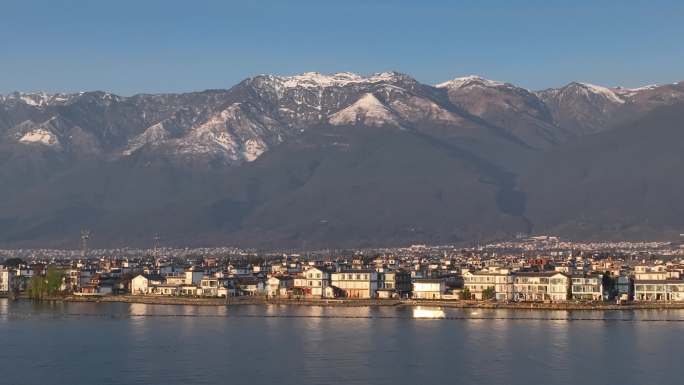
138 46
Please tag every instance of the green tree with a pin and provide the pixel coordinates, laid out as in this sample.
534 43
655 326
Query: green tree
465 294
53 281
37 287
41 286
489 293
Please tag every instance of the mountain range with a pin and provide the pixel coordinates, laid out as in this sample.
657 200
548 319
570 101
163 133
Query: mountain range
342 160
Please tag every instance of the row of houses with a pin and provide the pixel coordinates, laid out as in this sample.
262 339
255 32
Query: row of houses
502 277
491 283
658 283
506 285
192 282
649 283
313 282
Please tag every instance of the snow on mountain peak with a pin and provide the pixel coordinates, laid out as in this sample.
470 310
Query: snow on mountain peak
471 80
319 80
603 91
231 134
153 135
629 92
316 79
367 110
35 99
44 99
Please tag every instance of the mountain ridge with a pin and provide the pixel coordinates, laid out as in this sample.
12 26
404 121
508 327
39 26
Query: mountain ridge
271 159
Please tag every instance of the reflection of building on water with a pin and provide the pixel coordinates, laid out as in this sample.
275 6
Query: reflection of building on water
4 307
422 312
138 309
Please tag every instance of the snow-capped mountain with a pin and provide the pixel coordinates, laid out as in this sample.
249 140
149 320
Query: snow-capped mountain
240 124
38 99
586 108
367 111
514 109
471 81
340 159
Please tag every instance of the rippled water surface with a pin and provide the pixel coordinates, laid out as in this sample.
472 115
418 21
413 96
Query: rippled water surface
117 343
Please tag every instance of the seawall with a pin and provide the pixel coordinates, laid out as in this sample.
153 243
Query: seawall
240 301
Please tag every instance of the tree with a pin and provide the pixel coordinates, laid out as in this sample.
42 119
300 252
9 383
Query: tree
37 287
609 284
53 281
42 286
465 294
489 293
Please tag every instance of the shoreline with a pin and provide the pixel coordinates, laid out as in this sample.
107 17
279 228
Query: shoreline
260 301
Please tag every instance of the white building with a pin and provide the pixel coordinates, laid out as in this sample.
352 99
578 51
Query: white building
209 286
6 280
658 290
279 286
501 280
587 287
312 282
193 276
541 286
428 288
144 283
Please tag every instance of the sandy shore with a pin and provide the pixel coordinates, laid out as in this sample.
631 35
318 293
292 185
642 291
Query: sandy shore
241 301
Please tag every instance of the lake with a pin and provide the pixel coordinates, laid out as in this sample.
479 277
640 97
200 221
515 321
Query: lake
120 343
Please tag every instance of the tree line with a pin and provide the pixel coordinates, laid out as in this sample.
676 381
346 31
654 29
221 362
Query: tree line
41 286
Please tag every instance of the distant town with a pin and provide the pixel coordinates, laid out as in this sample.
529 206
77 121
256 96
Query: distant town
542 269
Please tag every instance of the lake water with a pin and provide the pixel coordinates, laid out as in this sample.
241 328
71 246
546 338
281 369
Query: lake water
117 343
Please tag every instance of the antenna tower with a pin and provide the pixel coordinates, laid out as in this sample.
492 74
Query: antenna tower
85 235
155 245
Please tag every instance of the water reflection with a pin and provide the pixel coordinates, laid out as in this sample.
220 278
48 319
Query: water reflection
138 309
141 343
429 313
4 309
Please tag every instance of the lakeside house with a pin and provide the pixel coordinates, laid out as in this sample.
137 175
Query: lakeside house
426 288
6 280
541 286
209 286
587 287
279 286
394 284
313 282
499 279
98 286
249 286
656 283
356 283
144 283
659 290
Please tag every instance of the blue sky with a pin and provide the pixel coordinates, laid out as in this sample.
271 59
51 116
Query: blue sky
168 46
